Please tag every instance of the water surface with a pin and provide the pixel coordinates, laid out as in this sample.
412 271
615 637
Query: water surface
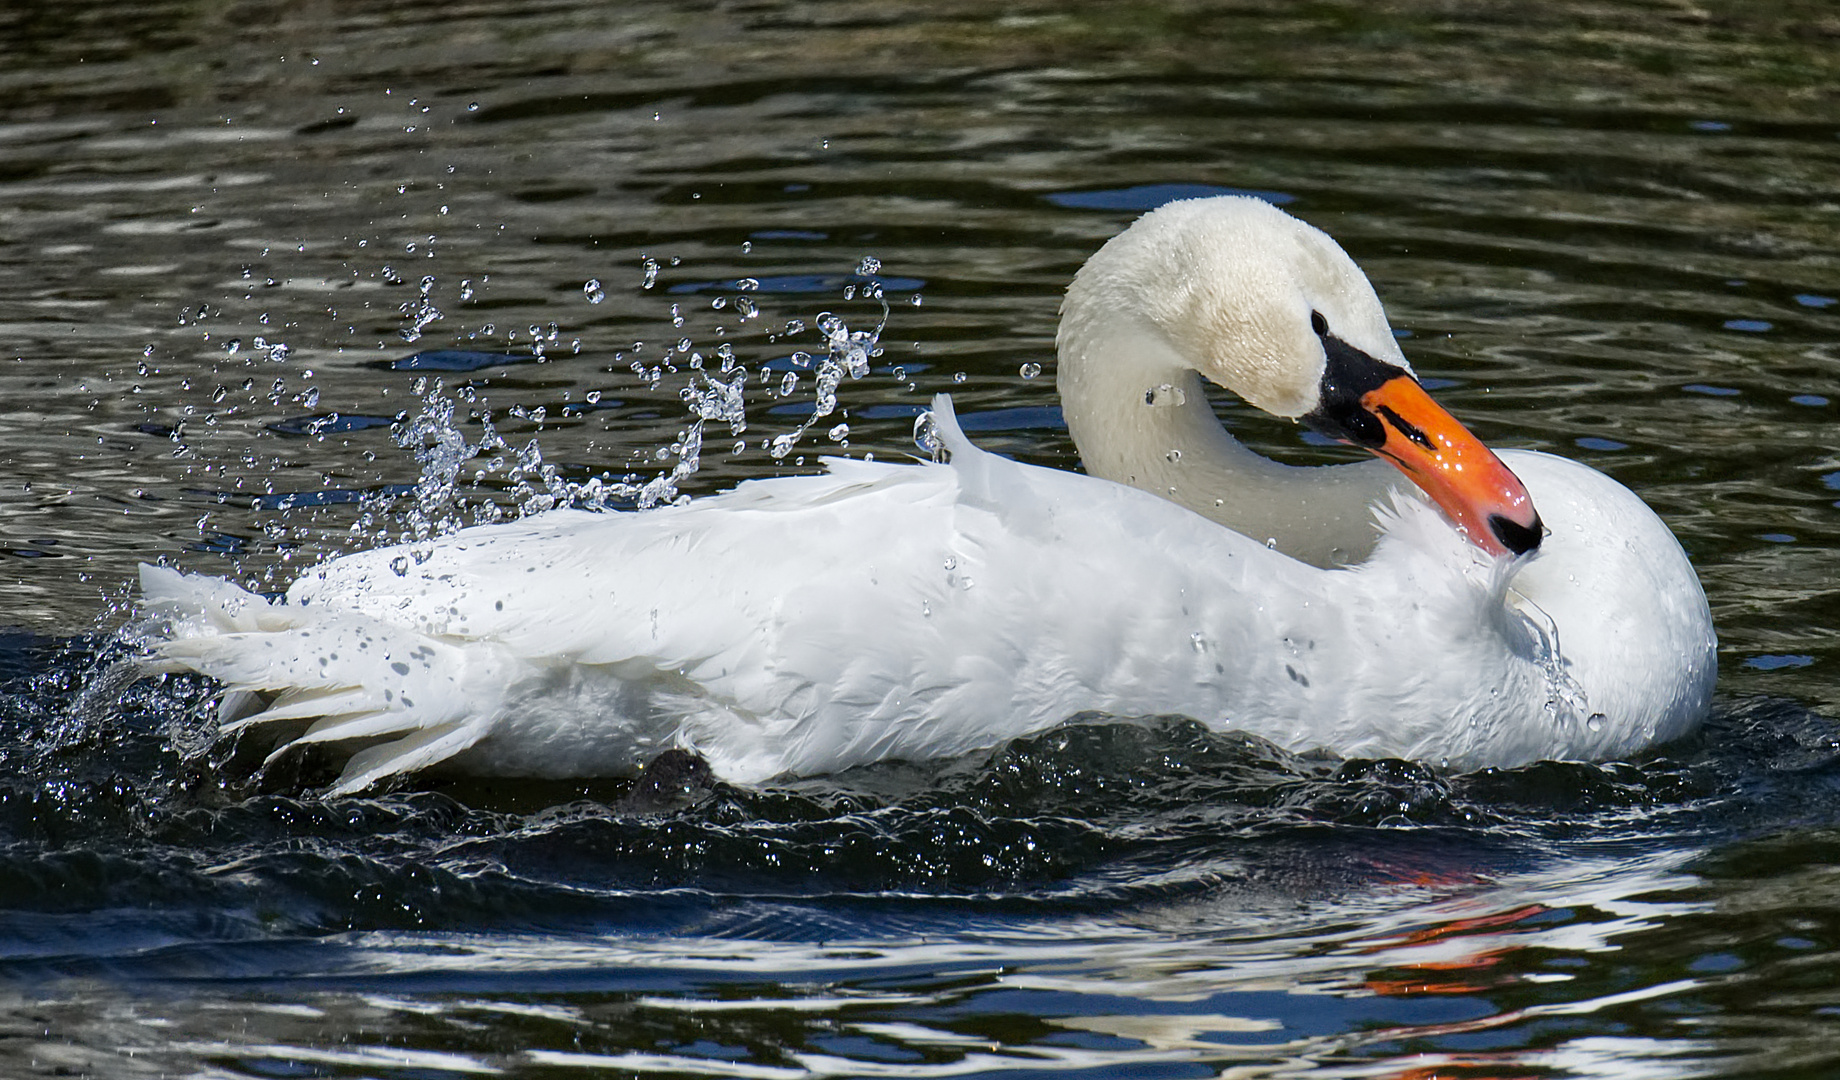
1605 230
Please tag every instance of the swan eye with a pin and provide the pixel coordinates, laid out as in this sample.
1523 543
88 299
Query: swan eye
1318 323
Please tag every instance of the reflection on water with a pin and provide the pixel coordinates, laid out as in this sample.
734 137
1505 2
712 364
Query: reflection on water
234 237
1480 976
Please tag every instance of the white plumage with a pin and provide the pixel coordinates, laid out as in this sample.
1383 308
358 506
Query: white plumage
880 611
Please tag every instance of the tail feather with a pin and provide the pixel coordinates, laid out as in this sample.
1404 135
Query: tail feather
416 751
338 728
358 678
328 706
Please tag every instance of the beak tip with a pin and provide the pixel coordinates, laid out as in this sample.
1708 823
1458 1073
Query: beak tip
1517 538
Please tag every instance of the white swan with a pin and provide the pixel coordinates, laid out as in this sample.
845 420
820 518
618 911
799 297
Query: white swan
880 611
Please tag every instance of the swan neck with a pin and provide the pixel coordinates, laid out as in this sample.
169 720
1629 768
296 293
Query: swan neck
1139 415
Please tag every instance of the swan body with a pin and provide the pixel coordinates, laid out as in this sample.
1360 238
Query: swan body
882 611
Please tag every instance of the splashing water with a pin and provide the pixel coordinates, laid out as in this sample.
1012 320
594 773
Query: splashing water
715 393
848 353
421 311
1565 697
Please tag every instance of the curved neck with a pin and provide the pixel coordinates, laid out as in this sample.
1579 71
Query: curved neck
1139 415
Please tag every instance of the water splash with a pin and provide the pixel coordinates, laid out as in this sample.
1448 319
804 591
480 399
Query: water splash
1566 701
847 354
438 445
714 394
420 311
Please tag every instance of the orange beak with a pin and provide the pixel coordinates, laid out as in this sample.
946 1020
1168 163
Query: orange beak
1486 502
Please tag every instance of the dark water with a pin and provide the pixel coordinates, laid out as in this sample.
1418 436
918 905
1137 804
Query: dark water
1609 230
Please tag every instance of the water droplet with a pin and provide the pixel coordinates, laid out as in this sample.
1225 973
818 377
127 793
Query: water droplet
869 266
1030 370
650 279
951 562
593 397
593 291
1271 542
1198 641
788 384
471 106
926 435
1174 457
839 433
1595 723
959 376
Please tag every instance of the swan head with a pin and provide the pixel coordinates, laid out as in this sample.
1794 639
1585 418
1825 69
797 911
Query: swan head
1274 310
